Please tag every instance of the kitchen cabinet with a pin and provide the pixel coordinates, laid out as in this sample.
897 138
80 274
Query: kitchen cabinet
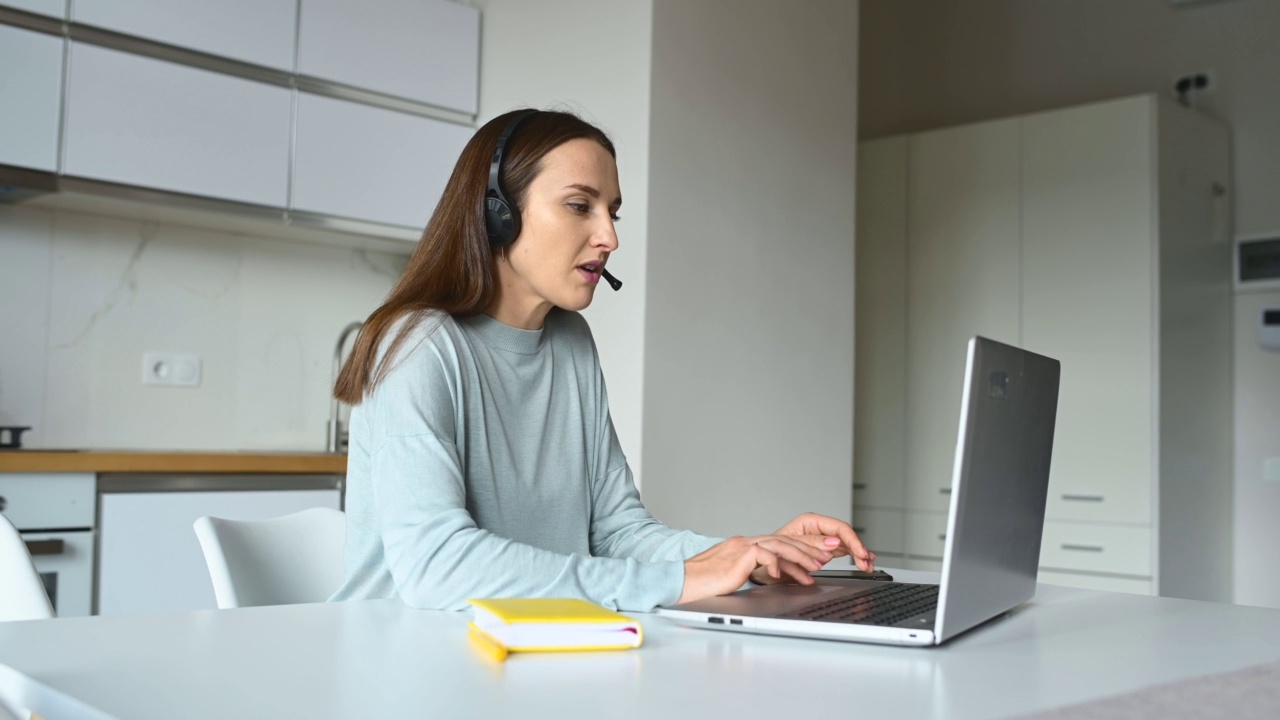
53 8
150 560
54 514
261 32
880 370
1097 235
962 276
31 95
422 50
154 124
369 163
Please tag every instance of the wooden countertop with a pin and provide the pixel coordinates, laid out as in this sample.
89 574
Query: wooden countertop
141 461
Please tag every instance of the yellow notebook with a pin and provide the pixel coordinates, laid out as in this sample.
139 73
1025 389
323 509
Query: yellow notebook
547 624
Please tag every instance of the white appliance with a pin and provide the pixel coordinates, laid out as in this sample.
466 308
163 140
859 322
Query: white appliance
54 513
149 560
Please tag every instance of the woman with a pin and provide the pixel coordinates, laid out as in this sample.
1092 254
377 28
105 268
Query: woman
483 462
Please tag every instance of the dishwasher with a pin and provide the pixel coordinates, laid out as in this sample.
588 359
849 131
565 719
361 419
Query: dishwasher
149 560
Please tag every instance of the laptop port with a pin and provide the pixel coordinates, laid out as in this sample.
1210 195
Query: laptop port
716 620
735 621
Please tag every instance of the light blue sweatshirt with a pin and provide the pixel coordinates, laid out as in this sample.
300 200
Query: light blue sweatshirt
485 464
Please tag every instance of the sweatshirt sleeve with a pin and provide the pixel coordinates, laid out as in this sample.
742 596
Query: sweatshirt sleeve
621 526
437 556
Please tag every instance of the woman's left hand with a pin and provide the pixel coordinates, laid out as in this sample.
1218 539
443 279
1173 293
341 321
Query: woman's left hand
826 533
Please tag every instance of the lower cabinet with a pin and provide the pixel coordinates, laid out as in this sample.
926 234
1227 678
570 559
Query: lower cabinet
149 558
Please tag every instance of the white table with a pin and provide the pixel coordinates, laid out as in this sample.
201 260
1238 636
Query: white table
379 659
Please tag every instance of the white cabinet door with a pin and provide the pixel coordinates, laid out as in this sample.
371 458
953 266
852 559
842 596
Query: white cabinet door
962 280
880 381
369 163
882 531
149 558
145 122
56 8
31 95
1087 299
262 32
424 50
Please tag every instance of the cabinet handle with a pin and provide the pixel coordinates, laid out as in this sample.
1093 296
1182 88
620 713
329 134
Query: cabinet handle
46 547
859 486
945 491
1082 548
943 537
859 530
3 503
1082 498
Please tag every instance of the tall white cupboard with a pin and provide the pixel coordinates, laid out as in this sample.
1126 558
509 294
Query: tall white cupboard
1097 235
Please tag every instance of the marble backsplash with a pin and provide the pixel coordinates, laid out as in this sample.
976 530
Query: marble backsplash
82 297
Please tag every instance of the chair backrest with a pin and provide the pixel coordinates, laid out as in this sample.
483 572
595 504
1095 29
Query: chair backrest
295 558
22 595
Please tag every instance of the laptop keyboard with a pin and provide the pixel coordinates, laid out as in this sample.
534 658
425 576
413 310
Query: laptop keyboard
888 604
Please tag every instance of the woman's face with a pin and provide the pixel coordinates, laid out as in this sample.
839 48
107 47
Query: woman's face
566 235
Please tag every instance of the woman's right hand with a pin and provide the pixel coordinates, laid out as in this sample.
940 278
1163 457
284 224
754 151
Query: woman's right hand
726 566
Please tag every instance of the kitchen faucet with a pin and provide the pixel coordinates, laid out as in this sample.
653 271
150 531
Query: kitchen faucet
337 435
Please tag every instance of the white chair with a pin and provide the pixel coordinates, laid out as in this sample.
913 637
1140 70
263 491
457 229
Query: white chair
295 558
22 595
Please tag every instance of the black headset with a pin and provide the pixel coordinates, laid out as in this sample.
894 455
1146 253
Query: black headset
501 216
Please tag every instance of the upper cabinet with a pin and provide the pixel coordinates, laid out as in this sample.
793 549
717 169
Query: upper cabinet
422 50
54 8
369 163
30 86
154 124
298 116
261 32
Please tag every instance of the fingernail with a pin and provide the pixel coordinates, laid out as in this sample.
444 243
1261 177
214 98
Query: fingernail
831 542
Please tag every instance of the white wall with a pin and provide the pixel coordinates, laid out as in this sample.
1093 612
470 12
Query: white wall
592 56
927 65
749 329
85 296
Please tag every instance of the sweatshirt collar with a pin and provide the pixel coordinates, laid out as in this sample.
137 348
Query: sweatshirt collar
505 337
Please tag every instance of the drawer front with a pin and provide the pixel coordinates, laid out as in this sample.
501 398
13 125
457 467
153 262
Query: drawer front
1100 499
42 501
926 535
1096 582
1096 548
880 530
882 492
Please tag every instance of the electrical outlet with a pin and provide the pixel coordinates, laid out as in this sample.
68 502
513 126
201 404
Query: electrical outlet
171 369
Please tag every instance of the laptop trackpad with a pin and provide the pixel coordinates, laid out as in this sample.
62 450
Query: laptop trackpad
775 600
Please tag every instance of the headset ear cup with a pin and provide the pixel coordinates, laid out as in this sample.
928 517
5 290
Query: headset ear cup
500 222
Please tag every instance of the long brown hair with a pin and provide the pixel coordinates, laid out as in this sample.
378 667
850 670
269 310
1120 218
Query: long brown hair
453 268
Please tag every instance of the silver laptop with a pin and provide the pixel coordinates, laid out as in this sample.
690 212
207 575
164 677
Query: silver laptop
998 491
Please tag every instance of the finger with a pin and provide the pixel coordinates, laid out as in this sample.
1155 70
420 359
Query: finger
852 543
767 559
796 572
793 550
